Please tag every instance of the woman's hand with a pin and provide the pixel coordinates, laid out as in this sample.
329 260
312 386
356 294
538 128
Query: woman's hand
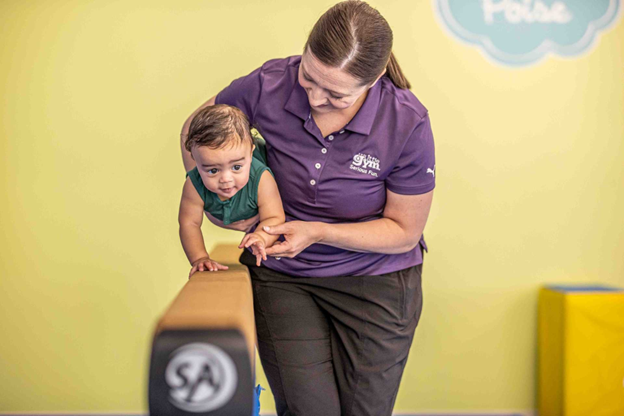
257 244
298 235
206 264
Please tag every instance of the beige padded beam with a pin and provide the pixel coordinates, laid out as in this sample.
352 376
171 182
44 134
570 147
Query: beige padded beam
216 300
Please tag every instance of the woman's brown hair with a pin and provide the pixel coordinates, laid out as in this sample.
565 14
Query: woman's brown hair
355 37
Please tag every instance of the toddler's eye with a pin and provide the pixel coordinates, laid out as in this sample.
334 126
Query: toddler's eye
237 167
213 171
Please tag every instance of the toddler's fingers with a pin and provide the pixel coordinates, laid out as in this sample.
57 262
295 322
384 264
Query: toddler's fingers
243 241
263 252
258 259
219 266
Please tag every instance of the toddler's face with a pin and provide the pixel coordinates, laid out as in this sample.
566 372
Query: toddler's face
224 171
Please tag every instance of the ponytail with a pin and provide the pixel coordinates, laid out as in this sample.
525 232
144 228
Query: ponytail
395 74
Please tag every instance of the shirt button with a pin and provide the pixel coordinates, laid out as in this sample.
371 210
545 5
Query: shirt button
312 182
318 166
330 138
323 150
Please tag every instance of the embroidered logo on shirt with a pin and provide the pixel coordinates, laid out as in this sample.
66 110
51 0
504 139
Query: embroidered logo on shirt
431 171
365 164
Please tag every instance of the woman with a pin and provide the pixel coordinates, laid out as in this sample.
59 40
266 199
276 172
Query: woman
351 147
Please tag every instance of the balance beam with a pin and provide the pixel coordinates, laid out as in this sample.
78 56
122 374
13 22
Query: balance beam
203 349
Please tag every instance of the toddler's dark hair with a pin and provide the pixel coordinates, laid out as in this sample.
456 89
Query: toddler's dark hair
218 126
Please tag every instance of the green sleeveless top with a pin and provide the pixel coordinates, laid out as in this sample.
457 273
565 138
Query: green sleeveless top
244 203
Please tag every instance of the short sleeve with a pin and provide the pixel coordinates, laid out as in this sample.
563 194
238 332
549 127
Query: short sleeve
260 152
414 172
243 93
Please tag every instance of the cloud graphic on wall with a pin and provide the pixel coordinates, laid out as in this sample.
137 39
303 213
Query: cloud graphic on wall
522 32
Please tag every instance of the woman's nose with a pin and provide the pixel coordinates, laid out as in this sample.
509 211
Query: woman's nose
316 97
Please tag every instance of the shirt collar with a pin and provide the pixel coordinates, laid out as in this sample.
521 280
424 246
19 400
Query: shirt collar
298 103
362 123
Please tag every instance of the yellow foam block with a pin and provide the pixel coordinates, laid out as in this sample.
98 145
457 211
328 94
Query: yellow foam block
581 351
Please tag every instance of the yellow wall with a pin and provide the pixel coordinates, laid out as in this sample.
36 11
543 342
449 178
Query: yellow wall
530 166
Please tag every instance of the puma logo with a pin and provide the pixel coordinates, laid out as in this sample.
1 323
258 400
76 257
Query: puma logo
431 171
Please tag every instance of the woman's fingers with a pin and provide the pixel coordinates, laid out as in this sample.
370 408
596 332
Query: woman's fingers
280 249
276 229
274 249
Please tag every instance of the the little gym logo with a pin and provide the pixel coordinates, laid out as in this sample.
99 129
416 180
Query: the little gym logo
365 164
201 378
523 32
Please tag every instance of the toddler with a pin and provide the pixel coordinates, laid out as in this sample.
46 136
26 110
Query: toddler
229 184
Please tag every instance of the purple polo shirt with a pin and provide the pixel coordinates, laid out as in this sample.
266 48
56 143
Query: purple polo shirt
341 178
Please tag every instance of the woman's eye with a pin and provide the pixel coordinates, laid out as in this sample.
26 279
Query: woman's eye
237 167
336 98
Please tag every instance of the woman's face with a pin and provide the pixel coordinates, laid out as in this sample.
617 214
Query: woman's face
329 89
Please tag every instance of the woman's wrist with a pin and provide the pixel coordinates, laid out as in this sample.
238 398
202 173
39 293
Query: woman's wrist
320 231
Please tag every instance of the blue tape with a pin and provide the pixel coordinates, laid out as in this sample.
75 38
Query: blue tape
256 407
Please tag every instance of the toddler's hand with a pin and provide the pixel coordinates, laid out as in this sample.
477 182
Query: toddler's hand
206 264
257 244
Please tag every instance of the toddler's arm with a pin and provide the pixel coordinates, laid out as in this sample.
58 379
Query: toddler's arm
271 213
190 219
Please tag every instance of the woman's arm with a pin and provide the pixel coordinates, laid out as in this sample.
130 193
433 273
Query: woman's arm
399 230
188 161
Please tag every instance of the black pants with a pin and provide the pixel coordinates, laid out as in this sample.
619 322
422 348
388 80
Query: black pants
335 346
